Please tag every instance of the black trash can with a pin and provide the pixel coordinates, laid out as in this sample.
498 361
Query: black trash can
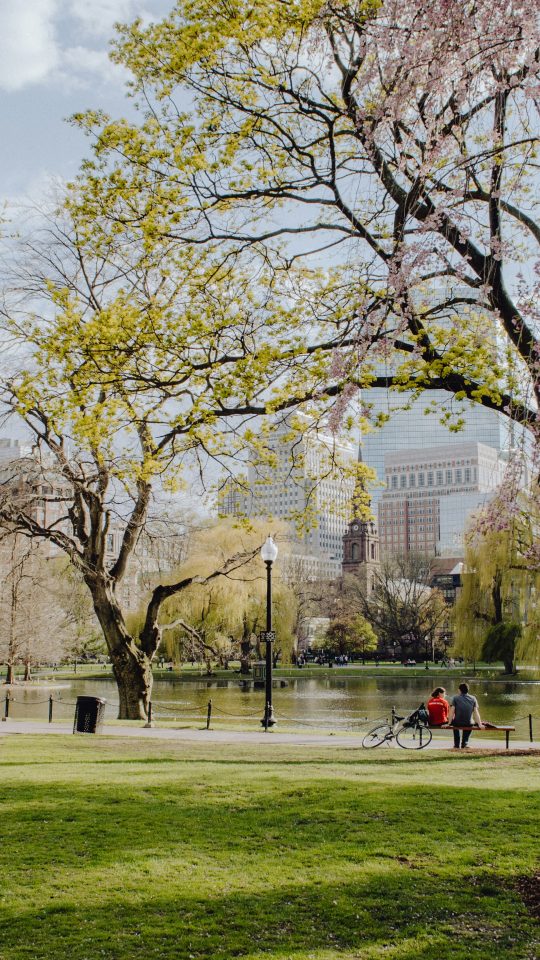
89 714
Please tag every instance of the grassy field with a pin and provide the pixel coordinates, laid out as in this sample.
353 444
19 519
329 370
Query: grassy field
123 850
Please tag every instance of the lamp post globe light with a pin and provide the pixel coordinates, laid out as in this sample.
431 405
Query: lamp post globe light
269 552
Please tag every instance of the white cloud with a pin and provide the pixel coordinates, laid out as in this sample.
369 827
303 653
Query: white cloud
81 63
28 46
99 16
65 41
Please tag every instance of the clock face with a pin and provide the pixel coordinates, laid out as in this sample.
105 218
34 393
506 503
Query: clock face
355 526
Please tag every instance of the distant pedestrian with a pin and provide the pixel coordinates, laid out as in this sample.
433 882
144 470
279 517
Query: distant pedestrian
438 708
463 710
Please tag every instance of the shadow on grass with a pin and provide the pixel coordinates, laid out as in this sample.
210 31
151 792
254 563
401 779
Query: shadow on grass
185 868
347 919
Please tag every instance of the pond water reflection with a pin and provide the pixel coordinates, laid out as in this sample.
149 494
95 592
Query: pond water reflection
338 703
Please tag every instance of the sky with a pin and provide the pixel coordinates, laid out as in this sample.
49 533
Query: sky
53 62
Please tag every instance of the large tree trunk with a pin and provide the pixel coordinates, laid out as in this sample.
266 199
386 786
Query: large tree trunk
509 665
132 667
133 674
10 672
245 654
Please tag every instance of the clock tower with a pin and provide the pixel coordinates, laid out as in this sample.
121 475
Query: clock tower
361 543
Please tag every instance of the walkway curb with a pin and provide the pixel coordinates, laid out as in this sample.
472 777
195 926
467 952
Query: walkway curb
33 728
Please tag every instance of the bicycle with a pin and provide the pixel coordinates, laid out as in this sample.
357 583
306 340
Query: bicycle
408 732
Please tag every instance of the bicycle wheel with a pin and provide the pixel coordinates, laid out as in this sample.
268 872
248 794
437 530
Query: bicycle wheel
414 738
378 735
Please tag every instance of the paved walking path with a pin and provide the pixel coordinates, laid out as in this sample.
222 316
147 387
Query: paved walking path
440 741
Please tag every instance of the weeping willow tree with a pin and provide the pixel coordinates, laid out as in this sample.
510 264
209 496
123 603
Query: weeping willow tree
214 619
500 595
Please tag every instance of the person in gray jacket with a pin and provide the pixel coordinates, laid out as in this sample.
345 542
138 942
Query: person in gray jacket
463 710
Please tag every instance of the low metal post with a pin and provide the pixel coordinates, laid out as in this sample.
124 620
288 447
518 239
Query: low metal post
6 707
507 738
393 715
208 714
50 708
530 728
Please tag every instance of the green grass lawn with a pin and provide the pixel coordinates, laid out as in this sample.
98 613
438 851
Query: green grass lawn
116 849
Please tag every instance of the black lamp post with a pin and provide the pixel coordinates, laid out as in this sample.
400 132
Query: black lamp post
269 552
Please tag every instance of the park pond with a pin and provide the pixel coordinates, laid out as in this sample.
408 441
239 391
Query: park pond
337 703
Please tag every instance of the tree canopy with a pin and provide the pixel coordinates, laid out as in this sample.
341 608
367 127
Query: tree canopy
89 320
318 197
350 636
211 620
499 589
393 144
402 609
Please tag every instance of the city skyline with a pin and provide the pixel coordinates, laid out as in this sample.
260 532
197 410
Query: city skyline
432 494
300 480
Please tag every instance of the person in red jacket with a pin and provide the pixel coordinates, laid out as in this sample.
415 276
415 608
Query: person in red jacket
438 708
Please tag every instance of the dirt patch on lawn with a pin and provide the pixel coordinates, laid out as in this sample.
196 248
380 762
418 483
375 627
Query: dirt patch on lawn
529 888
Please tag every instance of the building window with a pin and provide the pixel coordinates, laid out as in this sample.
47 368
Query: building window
458 476
355 552
412 479
439 478
467 474
449 476
403 480
430 479
394 481
420 479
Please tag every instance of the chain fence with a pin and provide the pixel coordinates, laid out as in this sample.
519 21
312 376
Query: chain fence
189 712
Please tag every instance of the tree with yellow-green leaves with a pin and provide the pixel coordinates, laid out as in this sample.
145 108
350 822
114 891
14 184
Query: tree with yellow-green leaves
134 371
497 612
395 144
318 197
350 636
211 622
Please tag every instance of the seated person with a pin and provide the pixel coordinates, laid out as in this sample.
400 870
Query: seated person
463 711
437 708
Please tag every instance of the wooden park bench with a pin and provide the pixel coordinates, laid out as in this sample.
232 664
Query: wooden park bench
485 728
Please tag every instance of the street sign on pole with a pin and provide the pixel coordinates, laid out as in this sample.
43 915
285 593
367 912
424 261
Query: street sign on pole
267 636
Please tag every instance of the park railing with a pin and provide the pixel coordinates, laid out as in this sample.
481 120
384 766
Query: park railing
56 708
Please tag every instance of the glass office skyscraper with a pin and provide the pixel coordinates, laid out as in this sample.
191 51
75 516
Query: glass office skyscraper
414 428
